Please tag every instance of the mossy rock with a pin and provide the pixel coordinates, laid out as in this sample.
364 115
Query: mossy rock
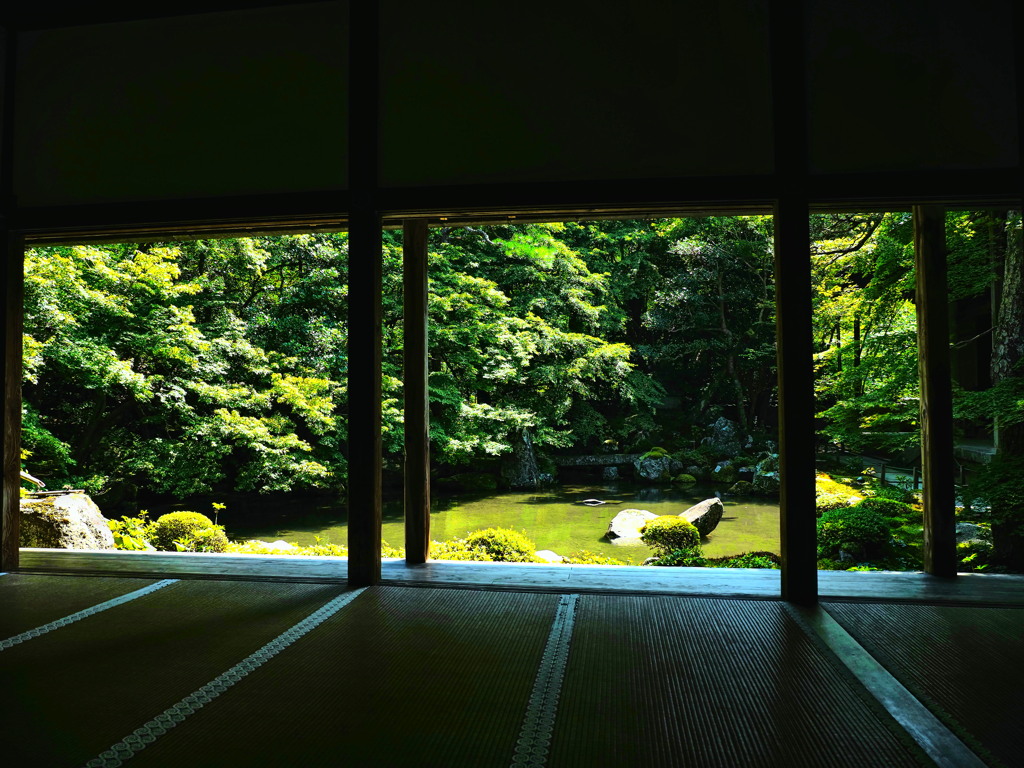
726 475
741 488
684 479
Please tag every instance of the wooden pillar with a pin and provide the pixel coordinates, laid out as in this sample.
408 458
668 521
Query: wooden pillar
11 409
798 521
793 304
364 301
417 395
937 463
11 294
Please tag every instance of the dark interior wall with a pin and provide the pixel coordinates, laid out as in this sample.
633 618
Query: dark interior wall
248 102
910 85
243 102
567 91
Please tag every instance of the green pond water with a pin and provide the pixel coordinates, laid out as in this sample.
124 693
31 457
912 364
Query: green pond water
554 519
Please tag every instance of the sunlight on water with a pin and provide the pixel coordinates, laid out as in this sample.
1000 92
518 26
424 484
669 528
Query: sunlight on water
554 519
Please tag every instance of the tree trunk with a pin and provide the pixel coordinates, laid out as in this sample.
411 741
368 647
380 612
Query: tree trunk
519 469
1007 357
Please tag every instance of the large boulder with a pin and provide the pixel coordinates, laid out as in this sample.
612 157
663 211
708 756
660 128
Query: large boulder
654 469
725 438
705 515
67 521
625 526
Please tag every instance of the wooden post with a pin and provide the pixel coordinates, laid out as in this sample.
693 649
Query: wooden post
417 395
937 464
364 300
11 410
793 321
11 299
796 403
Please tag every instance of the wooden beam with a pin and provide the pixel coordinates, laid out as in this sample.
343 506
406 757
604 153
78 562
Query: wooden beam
796 402
417 394
937 460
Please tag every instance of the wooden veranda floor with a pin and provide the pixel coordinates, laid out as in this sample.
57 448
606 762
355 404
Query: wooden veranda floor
112 670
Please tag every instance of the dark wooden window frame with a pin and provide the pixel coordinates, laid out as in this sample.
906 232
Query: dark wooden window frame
790 192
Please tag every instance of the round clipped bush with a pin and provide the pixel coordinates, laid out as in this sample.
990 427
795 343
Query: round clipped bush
177 525
503 545
212 539
860 531
668 533
893 510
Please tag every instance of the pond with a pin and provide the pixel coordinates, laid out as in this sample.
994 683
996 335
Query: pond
553 519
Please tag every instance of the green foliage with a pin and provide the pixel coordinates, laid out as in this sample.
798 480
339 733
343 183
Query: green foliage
895 512
131 533
684 479
211 539
826 502
974 555
586 557
178 526
999 491
895 493
687 557
860 531
669 533
503 545
458 549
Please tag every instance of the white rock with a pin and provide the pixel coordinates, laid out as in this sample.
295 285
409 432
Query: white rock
549 557
625 526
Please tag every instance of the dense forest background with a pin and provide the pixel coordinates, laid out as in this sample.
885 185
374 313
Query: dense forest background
220 365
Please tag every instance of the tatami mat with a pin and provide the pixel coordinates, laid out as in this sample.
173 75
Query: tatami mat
965 664
400 677
661 681
30 600
78 688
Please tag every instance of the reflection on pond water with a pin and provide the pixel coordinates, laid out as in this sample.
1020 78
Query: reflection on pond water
553 518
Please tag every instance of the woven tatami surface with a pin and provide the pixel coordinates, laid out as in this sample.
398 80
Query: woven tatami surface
400 676
965 664
29 601
695 682
73 692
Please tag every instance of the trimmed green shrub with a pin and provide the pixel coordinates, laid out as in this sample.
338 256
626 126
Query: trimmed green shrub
504 545
176 525
681 558
748 560
894 511
668 533
212 539
860 531
458 549
586 557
